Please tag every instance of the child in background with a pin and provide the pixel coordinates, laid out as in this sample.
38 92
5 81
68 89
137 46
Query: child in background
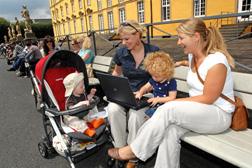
75 96
161 68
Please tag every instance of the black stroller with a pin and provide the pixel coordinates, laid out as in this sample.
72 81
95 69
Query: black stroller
56 67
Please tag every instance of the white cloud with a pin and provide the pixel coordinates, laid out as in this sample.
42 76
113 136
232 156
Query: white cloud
40 13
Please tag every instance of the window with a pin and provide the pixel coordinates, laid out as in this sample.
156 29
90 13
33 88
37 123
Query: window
67 9
120 1
72 3
199 7
69 28
80 4
246 5
51 2
57 13
56 30
75 27
109 3
122 15
90 22
60 30
140 11
89 2
166 10
101 22
111 20
99 5
64 29
82 25
62 14
53 14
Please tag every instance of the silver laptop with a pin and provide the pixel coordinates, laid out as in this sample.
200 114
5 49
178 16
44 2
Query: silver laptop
117 89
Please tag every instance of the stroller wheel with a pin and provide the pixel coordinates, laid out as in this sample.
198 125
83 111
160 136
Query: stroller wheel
43 149
110 162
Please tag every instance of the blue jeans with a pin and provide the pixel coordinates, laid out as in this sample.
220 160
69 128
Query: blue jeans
17 63
150 111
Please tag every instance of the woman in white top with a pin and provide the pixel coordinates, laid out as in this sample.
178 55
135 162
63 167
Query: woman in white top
203 112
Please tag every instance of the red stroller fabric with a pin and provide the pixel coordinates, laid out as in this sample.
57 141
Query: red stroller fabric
54 77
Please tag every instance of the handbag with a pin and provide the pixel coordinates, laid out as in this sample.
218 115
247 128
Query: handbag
240 116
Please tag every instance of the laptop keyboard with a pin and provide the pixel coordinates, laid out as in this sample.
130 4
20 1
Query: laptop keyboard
142 101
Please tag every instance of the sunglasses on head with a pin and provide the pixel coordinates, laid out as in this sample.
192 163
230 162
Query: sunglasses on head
128 24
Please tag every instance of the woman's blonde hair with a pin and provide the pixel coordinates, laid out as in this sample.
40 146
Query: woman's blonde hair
133 29
211 38
159 63
86 41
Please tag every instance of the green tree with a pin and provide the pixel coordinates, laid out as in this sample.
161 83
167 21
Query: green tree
4 24
42 29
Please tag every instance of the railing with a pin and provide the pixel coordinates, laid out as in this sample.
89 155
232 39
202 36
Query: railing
154 25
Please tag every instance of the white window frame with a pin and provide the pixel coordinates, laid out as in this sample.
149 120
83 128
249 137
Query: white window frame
75 27
122 15
53 14
109 3
166 10
99 5
82 24
62 13
101 23
57 11
56 30
72 4
64 29
89 2
67 12
69 27
140 6
90 22
199 8
80 4
60 29
111 21
121 1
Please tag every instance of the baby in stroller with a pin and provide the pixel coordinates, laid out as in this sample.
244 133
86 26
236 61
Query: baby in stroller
76 96
54 93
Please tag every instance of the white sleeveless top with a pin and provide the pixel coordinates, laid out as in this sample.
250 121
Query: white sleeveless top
196 87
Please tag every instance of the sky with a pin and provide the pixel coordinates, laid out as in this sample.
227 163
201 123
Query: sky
38 9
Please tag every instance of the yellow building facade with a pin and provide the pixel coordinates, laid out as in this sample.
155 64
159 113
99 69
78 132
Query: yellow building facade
77 16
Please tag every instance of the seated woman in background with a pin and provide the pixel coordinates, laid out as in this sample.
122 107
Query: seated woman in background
86 53
49 45
75 45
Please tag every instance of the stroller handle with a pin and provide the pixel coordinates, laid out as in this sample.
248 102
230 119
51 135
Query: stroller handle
76 110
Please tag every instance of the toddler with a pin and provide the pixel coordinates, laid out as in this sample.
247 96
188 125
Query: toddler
161 68
75 96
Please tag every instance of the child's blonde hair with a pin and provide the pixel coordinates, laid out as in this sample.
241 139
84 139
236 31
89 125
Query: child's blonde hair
159 63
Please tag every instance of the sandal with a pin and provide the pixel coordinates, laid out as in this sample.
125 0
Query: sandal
114 153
